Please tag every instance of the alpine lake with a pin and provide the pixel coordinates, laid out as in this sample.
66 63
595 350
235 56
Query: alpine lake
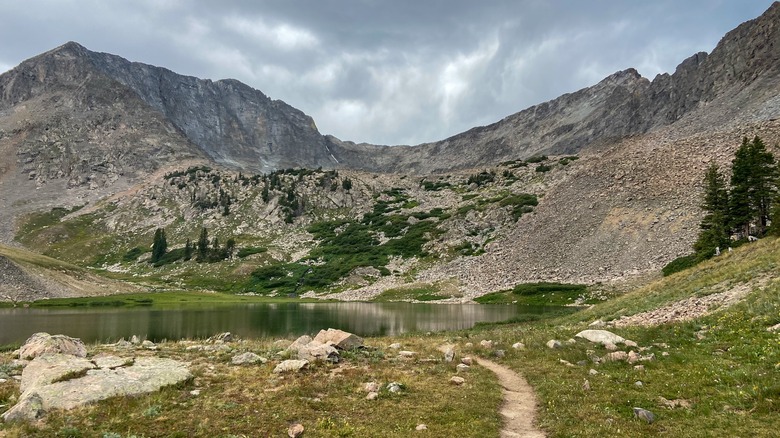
107 323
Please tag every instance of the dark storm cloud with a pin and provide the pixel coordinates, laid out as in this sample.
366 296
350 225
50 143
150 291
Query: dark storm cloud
388 72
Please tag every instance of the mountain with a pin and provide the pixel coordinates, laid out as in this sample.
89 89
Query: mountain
93 140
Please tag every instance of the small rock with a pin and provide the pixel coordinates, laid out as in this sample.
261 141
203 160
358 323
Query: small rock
371 387
566 362
457 380
639 367
499 353
467 361
774 328
644 414
553 343
406 353
665 353
135 340
462 367
421 427
291 365
582 363
3 381
586 385
639 384
647 358
486 343
449 354
630 344
518 346
394 387
149 345
395 346
28 409
372 396
295 430
616 356
195 392
571 341
597 323
247 358
222 337
468 345
610 346
593 372
633 357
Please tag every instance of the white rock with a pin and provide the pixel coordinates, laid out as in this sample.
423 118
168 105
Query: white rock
372 396
371 387
554 343
421 427
486 343
600 336
395 346
291 365
247 358
457 380
518 346
41 343
339 339
462 367
295 430
593 372
467 361
406 353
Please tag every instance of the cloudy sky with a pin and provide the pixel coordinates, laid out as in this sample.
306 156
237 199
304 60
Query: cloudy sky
386 71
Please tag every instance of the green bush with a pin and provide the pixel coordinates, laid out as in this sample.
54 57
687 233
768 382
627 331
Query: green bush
681 264
250 250
537 159
543 168
133 254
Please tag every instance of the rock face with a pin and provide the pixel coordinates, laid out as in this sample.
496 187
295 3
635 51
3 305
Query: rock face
59 381
42 343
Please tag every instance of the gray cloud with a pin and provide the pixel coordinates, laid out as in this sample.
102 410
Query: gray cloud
400 72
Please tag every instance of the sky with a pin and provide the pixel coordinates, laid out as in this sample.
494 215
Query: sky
386 71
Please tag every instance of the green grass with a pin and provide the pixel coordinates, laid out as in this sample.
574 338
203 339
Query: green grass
424 293
160 299
539 294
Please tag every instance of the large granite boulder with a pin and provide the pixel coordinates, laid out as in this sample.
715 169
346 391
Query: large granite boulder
600 337
41 343
339 339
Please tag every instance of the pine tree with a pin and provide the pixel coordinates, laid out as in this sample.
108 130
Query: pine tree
188 250
203 245
715 230
753 187
159 246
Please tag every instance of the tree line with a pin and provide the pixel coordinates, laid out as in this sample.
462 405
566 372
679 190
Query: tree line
204 250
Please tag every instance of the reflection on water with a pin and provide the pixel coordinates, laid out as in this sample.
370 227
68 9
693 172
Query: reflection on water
247 320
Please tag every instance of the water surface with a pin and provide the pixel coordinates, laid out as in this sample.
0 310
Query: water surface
97 324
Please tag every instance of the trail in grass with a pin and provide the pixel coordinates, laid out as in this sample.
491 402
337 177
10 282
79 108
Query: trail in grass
519 408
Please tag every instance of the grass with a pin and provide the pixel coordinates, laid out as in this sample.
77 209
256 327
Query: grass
161 299
539 294
421 293
328 399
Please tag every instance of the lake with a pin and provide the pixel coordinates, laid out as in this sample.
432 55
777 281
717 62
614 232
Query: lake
256 320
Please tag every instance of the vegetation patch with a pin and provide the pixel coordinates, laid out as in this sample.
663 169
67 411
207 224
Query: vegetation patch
422 293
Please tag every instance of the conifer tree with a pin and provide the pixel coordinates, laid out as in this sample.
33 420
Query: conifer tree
203 245
188 250
715 230
753 187
159 246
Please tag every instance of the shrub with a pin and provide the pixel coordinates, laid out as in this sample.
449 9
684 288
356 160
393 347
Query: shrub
250 250
537 159
543 168
681 264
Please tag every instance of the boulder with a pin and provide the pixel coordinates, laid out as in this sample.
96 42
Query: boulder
312 350
395 387
222 337
421 427
46 369
291 365
28 409
600 336
339 339
70 390
467 361
462 367
247 358
41 343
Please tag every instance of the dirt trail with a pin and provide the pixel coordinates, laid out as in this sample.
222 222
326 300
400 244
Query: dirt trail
519 408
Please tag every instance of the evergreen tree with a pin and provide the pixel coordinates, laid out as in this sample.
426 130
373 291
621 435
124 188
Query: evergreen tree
753 187
230 247
159 246
188 250
203 245
715 231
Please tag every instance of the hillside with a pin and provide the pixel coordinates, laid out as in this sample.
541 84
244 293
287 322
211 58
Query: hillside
89 143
